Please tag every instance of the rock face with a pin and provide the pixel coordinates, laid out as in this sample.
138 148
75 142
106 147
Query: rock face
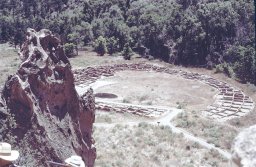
52 121
244 148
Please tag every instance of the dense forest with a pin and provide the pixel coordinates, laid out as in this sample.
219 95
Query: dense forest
216 34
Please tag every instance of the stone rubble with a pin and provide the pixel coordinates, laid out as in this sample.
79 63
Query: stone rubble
150 111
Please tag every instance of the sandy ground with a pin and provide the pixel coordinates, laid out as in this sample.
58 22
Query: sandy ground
152 88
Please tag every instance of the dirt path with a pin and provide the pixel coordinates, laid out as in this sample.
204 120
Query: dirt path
166 121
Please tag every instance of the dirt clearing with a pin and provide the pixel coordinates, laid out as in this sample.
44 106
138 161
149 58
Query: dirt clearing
152 88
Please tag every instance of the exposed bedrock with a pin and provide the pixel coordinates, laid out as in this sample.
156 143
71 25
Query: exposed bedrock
53 122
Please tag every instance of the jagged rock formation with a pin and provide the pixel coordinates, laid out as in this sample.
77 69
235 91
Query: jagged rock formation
244 148
52 121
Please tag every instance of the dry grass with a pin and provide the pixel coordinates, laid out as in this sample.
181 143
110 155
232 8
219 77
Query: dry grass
148 145
9 62
104 118
89 58
113 117
222 135
144 99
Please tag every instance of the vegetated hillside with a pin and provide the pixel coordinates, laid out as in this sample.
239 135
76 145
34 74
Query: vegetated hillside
205 33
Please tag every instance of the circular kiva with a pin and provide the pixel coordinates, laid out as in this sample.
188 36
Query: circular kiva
106 95
229 103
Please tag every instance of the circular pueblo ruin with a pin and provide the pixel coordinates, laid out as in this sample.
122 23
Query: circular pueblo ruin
229 102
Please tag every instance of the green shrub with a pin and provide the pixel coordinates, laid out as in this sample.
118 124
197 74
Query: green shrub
219 68
100 45
229 71
180 105
225 68
242 63
125 100
113 45
127 52
69 49
143 125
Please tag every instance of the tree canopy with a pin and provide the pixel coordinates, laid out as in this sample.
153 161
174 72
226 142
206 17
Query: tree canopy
204 33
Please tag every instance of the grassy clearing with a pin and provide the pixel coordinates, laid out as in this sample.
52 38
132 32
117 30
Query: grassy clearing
90 58
148 145
144 99
218 134
113 117
104 118
9 61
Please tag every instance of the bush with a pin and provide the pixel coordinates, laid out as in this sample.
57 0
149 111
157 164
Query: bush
243 62
100 45
245 67
219 68
127 52
69 49
113 45
229 70
225 68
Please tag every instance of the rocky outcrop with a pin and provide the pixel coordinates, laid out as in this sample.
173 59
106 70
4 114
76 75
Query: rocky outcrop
244 148
52 121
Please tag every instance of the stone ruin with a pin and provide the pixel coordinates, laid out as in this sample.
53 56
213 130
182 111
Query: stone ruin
229 103
40 111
